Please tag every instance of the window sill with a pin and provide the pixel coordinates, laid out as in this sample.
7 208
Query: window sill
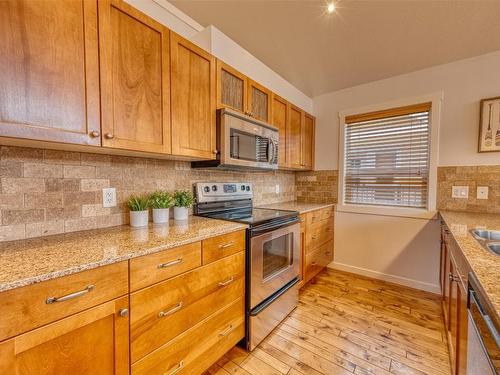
414 213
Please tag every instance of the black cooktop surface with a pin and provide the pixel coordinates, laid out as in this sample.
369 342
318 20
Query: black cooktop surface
252 216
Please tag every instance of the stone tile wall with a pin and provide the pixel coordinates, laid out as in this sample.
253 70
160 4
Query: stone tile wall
317 186
46 192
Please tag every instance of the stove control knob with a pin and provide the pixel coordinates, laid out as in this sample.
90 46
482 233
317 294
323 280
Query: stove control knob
206 189
248 188
214 187
242 187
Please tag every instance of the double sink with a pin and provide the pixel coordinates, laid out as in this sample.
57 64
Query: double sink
490 239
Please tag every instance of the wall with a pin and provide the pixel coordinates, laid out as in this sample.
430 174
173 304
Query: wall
46 192
316 186
406 250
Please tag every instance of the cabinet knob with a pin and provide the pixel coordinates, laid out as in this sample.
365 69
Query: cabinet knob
215 152
94 134
109 136
123 312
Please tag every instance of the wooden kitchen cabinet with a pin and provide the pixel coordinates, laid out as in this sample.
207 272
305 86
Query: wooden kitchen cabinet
307 142
280 120
294 136
259 101
193 99
94 341
135 79
49 78
231 88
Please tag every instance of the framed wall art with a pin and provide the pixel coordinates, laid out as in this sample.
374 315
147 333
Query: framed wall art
489 125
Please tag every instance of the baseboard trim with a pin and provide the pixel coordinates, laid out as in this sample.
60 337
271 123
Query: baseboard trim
432 288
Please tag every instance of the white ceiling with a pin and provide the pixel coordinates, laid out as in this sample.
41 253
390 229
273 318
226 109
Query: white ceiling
363 41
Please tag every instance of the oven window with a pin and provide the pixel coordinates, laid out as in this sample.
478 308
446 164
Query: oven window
246 146
277 255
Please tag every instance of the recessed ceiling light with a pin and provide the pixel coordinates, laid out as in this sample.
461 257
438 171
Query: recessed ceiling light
330 8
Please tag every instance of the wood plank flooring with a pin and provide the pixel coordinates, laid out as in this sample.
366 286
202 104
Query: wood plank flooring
349 324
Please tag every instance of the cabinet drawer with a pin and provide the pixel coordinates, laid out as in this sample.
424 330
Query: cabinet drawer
326 213
32 306
319 215
222 246
195 350
318 259
163 311
150 269
318 233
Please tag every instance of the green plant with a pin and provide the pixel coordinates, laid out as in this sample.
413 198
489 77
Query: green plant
138 203
183 198
161 199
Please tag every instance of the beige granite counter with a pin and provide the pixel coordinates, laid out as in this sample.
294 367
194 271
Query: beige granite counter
485 264
301 207
30 261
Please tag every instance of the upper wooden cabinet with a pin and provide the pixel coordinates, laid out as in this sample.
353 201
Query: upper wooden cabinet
135 79
294 137
259 101
307 142
231 88
280 120
49 71
193 96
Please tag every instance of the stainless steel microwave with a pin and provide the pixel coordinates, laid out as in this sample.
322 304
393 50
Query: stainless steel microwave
243 143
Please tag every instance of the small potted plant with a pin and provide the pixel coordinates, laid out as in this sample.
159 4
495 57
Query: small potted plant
139 212
183 200
160 202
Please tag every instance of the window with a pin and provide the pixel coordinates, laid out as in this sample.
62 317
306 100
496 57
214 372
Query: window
386 157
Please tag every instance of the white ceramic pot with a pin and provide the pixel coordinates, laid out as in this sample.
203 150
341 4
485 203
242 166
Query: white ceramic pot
180 213
139 218
160 215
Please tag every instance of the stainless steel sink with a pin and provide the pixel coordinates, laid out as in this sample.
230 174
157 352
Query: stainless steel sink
488 238
494 247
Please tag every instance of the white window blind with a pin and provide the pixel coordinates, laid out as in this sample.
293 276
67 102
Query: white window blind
387 157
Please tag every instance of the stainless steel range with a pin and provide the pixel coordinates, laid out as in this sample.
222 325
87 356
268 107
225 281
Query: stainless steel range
273 253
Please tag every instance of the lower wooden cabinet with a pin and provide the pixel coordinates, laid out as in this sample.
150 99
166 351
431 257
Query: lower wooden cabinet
95 341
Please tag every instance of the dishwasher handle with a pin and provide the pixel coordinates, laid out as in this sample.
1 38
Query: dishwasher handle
486 318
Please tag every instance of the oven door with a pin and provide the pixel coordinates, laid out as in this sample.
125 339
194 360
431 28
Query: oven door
247 142
274 262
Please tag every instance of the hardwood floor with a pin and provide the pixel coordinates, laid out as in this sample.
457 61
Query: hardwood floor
347 324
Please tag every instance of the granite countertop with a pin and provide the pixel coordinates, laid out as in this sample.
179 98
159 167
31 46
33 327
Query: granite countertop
484 264
301 207
30 261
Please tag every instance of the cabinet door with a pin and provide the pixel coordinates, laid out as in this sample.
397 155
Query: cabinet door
259 101
134 52
193 99
294 138
92 342
280 117
453 316
231 88
462 330
49 71
307 142
447 286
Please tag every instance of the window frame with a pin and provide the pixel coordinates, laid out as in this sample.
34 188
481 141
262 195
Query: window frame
435 116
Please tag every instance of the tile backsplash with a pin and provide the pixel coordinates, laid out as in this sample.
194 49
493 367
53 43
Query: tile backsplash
46 192
471 176
317 186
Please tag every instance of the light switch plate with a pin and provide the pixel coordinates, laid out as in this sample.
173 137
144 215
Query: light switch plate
460 192
277 189
482 192
109 197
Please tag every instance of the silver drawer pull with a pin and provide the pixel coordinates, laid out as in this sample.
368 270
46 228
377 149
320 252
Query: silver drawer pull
67 297
170 264
229 244
314 237
175 370
177 307
226 282
226 331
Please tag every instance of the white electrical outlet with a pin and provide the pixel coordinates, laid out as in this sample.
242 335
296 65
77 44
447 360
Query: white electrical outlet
109 197
482 192
461 192
277 189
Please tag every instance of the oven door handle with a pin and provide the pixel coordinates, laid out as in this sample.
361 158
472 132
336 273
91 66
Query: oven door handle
262 306
265 228
486 318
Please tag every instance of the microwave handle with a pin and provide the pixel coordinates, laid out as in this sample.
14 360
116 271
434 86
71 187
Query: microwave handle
269 149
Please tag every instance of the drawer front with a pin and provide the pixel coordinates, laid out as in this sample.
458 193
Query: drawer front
29 307
223 246
163 311
318 233
318 259
327 213
195 350
318 215
151 269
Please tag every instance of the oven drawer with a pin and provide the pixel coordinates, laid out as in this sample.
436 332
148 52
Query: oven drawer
153 268
196 349
222 246
318 233
318 259
163 311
